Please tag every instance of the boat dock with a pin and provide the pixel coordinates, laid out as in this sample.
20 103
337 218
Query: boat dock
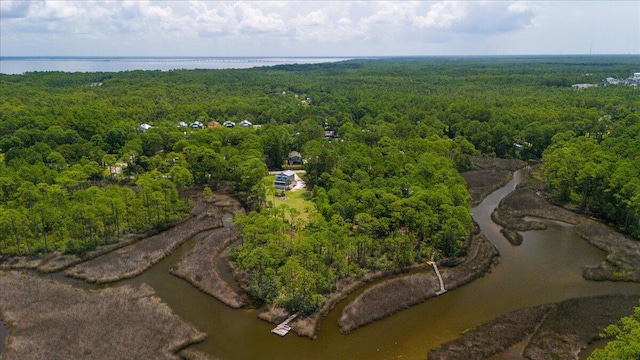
283 328
435 267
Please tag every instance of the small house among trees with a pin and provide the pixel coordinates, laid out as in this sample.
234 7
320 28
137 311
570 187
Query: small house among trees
285 180
294 158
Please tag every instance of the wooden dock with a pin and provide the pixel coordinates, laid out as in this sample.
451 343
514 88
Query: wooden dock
435 267
283 328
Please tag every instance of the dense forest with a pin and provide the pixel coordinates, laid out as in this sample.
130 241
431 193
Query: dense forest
90 157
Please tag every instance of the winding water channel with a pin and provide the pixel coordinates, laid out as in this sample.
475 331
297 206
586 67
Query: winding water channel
545 268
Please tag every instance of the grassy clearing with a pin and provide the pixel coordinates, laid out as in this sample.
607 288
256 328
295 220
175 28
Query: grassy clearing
199 267
49 320
293 198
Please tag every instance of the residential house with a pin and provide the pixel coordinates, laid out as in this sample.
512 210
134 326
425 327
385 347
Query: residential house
196 125
329 134
294 158
285 180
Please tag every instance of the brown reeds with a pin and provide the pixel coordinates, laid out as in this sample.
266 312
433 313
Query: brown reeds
399 293
199 267
575 323
49 320
493 337
552 331
192 354
132 260
490 174
623 261
512 236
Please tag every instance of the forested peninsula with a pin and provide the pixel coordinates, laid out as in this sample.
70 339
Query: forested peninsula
93 159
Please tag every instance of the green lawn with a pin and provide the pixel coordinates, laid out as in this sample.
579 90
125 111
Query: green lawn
293 199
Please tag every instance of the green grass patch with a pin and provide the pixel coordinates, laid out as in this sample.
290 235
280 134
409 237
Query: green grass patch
296 199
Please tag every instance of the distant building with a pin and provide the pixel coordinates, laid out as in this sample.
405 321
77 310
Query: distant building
285 180
583 86
145 127
294 158
329 134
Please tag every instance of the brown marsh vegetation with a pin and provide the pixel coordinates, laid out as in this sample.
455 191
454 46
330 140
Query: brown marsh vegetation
132 260
623 260
199 267
399 293
50 320
490 174
551 331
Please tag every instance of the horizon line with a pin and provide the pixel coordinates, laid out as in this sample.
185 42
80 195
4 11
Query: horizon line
301 56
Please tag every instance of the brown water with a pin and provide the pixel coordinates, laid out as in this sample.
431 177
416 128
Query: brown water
545 268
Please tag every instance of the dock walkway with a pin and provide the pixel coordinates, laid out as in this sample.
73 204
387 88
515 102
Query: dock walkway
435 267
283 328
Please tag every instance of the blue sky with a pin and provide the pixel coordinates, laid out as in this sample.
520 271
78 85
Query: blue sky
317 28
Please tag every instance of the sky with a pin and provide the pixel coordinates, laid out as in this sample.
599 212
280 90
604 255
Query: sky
317 28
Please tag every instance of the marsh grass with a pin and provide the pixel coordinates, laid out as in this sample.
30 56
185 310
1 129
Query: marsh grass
493 337
49 320
575 323
192 354
552 331
132 260
490 174
199 267
393 295
623 260
514 237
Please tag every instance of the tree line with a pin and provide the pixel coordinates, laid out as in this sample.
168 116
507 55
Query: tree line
77 170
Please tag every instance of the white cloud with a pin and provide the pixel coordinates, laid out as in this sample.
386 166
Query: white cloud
253 20
314 18
366 27
478 17
14 9
442 15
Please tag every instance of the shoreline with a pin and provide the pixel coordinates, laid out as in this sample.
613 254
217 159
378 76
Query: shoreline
623 259
558 330
199 267
490 174
394 295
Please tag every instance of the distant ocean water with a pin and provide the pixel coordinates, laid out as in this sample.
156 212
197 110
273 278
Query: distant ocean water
21 65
